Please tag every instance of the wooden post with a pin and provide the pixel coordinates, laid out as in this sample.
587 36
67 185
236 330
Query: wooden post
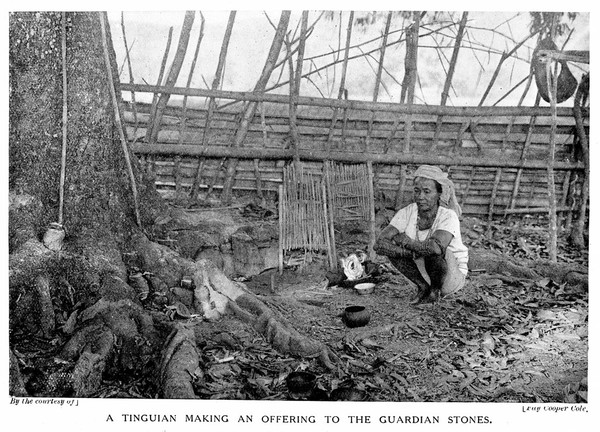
280 220
551 78
65 117
295 81
386 32
250 108
331 208
330 252
184 38
211 104
372 228
450 74
158 83
492 200
342 89
407 95
465 194
182 124
410 62
378 77
258 179
563 199
528 138
580 98
115 103
520 103
130 69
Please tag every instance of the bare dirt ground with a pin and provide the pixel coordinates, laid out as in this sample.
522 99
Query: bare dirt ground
500 339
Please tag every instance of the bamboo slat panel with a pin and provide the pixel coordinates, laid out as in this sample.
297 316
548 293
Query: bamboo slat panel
350 192
304 222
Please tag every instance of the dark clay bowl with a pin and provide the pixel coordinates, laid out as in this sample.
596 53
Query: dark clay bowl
301 382
356 316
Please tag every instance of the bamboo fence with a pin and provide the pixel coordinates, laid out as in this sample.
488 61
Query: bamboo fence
474 152
503 160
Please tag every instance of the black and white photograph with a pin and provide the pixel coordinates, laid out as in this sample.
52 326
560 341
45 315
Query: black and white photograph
298 215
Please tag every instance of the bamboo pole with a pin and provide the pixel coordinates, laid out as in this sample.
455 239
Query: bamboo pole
493 199
325 224
524 156
580 97
551 79
451 111
564 198
520 103
407 95
531 210
182 125
571 202
189 80
450 74
211 104
250 108
259 191
371 200
505 55
342 88
281 233
173 74
341 156
331 195
63 159
130 69
410 61
382 56
159 85
295 85
111 86
377 80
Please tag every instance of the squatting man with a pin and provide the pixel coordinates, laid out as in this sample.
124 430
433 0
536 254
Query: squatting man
423 239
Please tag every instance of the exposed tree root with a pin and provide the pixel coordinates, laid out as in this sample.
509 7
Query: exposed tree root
16 386
179 362
111 333
495 262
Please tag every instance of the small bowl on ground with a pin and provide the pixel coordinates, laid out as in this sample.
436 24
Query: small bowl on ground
301 382
356 316
365 288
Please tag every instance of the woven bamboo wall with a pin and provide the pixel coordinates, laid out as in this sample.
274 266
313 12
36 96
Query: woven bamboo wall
482 186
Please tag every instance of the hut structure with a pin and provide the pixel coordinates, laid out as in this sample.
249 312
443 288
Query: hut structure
504 160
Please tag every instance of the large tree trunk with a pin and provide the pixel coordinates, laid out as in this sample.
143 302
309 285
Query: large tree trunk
89 298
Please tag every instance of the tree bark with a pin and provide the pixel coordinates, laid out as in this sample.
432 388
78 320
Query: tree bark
113 327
